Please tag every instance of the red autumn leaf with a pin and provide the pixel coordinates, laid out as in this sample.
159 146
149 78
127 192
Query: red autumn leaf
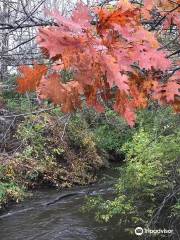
81 15
148 58
56 42
103 59
123 15
172 89
112 70
65 95
30 77
125 108
130 116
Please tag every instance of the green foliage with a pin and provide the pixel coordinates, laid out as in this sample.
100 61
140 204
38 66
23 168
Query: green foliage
80 134
77 131
176 209
31 133
112 132
105 210
40 150
9 189
83 139
108 138
66 76
44 158
150 171
10 192
158 120
19 103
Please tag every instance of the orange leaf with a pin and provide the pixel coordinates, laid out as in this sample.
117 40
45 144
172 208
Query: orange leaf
30 77
65 95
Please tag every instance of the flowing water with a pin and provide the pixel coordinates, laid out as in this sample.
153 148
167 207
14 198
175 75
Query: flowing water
35 220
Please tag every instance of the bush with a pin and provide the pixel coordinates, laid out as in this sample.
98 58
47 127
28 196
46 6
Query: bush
9 189
149 175
54 155
19 103
110 133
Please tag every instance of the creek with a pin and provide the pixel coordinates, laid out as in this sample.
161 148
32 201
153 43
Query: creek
34 219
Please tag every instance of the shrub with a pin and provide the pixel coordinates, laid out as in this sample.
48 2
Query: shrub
149 175
53 154
10 190
112 132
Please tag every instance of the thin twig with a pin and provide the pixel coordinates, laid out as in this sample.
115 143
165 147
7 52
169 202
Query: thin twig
29 113
65 125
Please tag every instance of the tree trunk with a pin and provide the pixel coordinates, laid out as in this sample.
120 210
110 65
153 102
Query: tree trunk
4 39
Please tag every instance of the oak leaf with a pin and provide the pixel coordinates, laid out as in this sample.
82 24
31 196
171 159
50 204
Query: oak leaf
30 77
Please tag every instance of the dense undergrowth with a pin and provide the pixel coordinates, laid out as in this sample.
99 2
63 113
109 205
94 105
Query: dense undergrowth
147 193
47 157
64 150
51 150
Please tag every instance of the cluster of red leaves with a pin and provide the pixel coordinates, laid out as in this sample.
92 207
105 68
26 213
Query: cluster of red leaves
168 9
103 58
30 79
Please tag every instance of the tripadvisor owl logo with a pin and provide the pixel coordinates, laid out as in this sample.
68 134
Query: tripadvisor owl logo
139 231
